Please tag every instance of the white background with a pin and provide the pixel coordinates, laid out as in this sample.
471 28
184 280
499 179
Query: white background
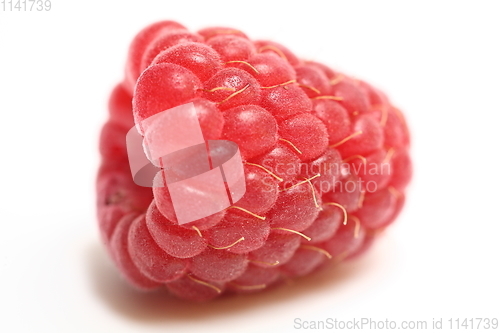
437 60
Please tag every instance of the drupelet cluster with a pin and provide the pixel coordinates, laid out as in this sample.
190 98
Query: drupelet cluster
325 158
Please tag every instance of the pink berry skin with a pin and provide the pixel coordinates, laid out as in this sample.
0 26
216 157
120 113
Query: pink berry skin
396 130
210 118
326 162
253 128
265 46
165 42
246 232
161 87
108 218
281 162
232 87
120 254
295 208
325 226
312 80
120 107
346 241
328 166
213 32
261 191
254 279
269 69
112 141
174 240
303 262
232 47
193 288
199 58
163 203
351 97
347 192
115 188
278 249
401 170
139 46
367 243
307 134
329 73
378 209
334 116
285 101
375 170
149 258
218 265
368 136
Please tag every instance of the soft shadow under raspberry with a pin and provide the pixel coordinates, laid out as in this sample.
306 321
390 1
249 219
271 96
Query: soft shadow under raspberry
160 306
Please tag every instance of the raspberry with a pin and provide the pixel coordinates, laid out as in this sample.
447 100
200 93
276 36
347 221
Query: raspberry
326 164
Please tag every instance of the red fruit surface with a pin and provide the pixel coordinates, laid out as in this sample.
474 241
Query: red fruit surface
262 191
232 47
325 170
199 58
295 208
232 87
210 118
166 41
278 249
139 45
177 241
151 260
307 134
119 251
281 162
211 32
164 205
325 225
303 262
161 87
285 101
239 233
266 46
218 265
326 164
352 97
252 127
335 118
120 106
254 279
269 69
312 80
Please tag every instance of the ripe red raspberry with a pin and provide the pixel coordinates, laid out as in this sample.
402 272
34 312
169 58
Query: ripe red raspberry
326 164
